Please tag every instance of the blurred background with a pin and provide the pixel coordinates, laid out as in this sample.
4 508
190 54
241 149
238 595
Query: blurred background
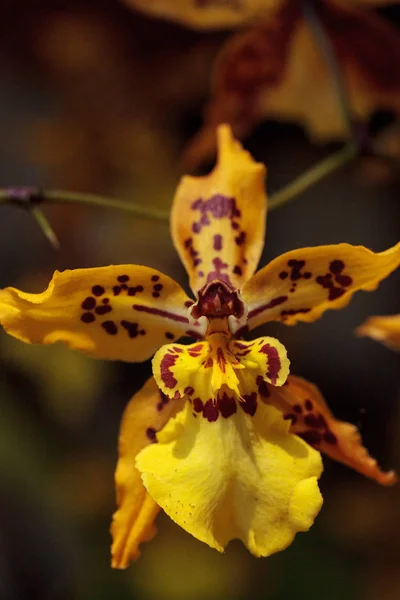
97 97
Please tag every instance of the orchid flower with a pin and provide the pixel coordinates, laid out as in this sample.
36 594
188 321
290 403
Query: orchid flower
219 438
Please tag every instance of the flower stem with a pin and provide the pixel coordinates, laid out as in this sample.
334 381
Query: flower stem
45 226
27 197
327 51
311 176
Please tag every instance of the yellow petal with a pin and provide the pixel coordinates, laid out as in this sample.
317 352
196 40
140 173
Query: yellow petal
119 312
147 412
302 284
241 477
206 14
304 407
218 221
214 372
383 329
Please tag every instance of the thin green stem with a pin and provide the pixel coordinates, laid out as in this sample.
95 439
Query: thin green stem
27 197
325 45
45 226
316 173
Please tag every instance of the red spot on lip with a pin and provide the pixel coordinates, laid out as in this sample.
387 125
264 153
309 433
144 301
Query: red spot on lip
226 405
89 303
344 280
221 359
197 405
167 362
155 278
210 411
274 362
249 404
98 290
151 434
188 391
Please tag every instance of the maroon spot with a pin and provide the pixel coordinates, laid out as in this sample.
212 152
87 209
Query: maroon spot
197 405
311 437
274 362
197 262
110 327
296 266
283 274
329 437
217 242
235 225
98 290
103 310
106 300
124 286
163 401
209 363
131 328
317 422
237 270
116 290
156 294
336 266
158 287
297 408
188 390
160 313
335 293
219 266
177 396
188 303
344 280
324 280
87 317
89 303
177 349
291 418
274 302
167 376
285 313
123 278
200 274
241 238
194 334
210 411
226 406
151 434
308 404
169 336
250 404
307 275
221 359
142 332
155 278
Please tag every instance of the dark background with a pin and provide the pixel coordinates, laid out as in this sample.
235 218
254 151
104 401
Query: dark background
94 97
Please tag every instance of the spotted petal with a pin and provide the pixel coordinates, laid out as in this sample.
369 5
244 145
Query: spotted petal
384 329
147 412
218 371
218 221
118 312
300 285
304 407
242 477
206 14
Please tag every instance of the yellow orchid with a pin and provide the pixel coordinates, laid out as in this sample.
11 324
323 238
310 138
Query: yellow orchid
220 438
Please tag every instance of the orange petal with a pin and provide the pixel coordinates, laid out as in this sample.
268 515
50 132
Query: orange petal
206 14
382 329
276 70
146 413
302 284
218 221
252 63
303 404
121 312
